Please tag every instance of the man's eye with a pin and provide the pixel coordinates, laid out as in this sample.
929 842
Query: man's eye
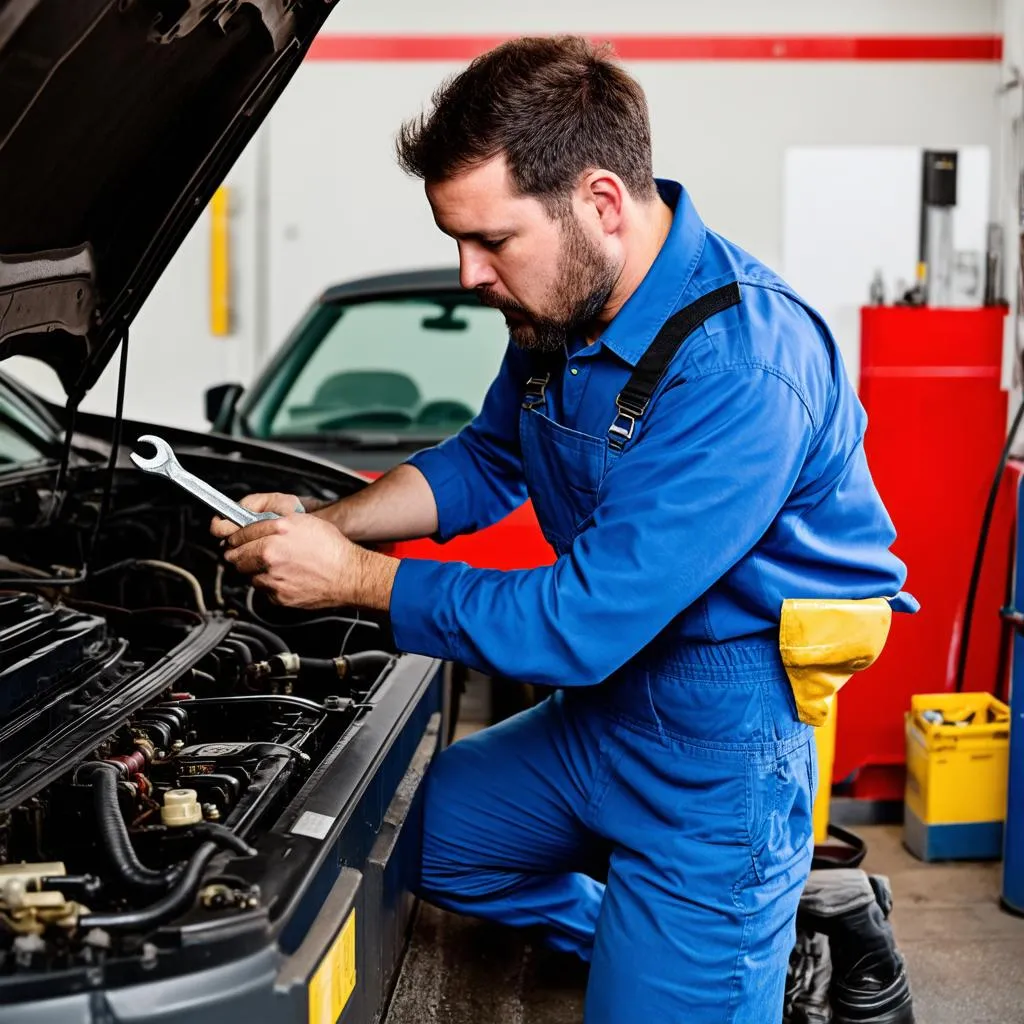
494 244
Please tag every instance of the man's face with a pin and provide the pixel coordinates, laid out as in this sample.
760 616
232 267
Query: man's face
547 275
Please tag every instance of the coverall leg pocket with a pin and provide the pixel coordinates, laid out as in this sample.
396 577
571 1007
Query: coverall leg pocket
709 808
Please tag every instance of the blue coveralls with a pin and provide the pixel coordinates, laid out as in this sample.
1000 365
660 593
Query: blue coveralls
673 739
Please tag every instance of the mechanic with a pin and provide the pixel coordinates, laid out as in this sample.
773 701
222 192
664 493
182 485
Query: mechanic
694 451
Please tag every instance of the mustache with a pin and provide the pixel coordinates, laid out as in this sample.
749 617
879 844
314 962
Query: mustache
491 298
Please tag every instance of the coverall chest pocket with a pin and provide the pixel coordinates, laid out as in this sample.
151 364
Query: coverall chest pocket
563 470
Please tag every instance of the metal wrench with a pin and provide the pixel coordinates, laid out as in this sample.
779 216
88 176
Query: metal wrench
165 463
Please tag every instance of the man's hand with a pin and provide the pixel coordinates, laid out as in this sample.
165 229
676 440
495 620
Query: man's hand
282 504
306 562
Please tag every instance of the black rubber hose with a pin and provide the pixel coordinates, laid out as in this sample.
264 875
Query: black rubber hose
320 669
260 651
273 643
368 663
179 713
224 837
238 647
177 900
979 553
198 676
82 887
326 670
114 833
174 719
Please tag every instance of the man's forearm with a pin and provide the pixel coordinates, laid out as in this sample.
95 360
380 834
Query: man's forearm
398 506
373 580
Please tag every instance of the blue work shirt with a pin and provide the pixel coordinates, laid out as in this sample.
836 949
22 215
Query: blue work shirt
746 484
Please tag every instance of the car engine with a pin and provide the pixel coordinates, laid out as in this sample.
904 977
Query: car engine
157 716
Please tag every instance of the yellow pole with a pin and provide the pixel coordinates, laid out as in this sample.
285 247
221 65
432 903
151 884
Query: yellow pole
825 741
220 266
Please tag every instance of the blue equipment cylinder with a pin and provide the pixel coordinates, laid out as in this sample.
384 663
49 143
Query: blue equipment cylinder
1013 833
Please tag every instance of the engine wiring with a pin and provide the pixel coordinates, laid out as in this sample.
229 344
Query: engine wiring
31 579
218 586
344 643
320 621
107 609
28 570
35 580
177 570
234 726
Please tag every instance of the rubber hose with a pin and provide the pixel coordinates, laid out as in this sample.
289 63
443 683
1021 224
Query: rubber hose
325 670
224 837
205 678
114 834
84 887
367 662
239 647
177 900
180 714
174 719
133 763
258 649
274 644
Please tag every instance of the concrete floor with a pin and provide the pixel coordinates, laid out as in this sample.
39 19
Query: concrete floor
964 954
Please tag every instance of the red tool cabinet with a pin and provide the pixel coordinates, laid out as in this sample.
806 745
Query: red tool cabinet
937 419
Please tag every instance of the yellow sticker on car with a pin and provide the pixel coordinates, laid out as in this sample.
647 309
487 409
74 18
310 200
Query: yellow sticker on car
335 978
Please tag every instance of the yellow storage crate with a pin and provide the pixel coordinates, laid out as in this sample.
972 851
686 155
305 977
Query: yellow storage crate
957 758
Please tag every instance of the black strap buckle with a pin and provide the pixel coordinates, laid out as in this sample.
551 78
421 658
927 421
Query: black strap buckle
625 419
534 392
634 398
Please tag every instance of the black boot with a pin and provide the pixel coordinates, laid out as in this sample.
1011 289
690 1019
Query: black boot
807 981
869 978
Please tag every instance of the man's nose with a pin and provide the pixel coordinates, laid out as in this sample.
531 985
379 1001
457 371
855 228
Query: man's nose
475 270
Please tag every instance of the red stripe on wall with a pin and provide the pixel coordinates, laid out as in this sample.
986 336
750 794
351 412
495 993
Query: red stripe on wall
678 48
931 372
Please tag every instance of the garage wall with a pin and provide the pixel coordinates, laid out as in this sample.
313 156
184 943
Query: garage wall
341 207
318 197
1008 186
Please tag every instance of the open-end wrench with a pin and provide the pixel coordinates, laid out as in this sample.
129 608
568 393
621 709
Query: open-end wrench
165 463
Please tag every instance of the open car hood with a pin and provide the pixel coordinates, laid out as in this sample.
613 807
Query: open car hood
118 119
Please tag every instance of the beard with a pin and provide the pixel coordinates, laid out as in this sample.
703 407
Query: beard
581 290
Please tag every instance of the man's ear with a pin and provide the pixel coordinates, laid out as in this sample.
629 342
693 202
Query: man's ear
602 195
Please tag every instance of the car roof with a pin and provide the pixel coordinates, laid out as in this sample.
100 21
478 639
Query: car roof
438 279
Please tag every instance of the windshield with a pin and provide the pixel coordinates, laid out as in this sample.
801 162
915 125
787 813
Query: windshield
25 437
411 365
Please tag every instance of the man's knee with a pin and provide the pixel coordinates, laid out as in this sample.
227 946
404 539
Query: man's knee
443 859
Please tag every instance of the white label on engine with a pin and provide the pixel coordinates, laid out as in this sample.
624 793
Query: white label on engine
314 825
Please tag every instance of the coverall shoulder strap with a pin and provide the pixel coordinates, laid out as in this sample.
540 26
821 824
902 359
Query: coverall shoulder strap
633 399
541 367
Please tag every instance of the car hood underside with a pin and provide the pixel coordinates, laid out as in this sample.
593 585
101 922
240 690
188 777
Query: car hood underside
118 119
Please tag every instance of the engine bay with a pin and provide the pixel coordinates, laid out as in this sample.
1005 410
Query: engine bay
157 715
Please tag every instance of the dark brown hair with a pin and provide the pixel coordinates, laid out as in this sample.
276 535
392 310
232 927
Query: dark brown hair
555 107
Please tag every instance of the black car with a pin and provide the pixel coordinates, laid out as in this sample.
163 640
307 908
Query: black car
207 803
376 369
